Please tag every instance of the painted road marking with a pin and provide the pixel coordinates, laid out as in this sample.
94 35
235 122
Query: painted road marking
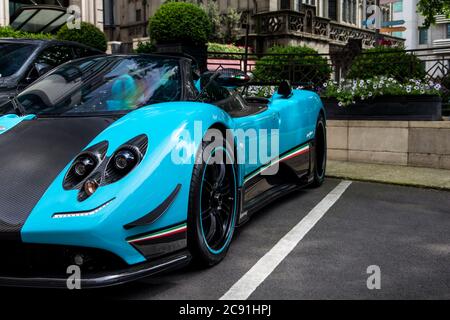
245 286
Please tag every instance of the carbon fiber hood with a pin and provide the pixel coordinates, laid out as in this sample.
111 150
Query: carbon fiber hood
32 155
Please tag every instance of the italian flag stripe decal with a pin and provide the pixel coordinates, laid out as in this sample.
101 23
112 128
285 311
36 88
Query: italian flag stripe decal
290 155
161 234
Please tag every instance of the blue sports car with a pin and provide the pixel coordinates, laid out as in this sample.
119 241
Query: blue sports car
129 165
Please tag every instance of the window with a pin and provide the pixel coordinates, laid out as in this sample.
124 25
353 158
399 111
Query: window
398 6
423 35
13 56
285 4
104 84
54 56
398 34
81 52
332 9
448 31
138 15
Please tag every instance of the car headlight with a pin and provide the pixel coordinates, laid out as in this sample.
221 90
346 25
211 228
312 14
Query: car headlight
125 159
92 168
84 165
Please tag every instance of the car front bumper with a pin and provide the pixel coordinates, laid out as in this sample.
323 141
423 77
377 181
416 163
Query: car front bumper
101 279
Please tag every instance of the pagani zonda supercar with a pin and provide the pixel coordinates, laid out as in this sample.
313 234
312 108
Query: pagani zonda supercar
128 165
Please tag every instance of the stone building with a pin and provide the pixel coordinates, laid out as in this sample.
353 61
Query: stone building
321 24
91 10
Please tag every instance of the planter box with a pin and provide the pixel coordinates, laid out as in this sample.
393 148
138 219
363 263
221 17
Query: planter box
403 108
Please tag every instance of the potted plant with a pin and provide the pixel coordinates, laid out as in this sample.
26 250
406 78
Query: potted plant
382 98
180 27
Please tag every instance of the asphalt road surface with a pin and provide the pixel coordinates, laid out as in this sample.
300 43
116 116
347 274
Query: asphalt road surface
403 231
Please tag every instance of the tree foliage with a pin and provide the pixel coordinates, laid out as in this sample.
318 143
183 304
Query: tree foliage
295 63
386 61
430 8
180 22
8 32
88 35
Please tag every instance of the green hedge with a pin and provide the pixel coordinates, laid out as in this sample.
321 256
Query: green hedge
145 47
88 35
224 48
299 63
389 62
8 32
180 22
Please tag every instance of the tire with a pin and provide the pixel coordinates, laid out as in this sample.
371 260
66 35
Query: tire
320 156
213 205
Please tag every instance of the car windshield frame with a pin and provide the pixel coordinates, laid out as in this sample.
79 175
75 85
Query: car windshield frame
19 62
92 78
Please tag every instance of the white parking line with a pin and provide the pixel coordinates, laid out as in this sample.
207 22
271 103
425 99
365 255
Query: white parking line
245 286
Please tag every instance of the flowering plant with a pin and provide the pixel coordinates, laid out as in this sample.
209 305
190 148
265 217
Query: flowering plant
348 92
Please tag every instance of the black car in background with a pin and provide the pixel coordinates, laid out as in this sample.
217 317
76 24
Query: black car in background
23 61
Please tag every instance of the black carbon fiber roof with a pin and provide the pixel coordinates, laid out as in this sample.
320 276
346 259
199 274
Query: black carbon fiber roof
32 154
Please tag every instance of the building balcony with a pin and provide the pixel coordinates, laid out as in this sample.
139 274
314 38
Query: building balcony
307 25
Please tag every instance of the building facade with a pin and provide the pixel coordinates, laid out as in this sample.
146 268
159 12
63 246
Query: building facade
91 10
416 36
316 23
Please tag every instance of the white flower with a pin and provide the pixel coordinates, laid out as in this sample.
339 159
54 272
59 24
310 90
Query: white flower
438 86
340 104
325 85
370 94
375 87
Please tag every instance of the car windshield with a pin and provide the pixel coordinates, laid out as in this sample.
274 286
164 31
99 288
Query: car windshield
101 85
13 56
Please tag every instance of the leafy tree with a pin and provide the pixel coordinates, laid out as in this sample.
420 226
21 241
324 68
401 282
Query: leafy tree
180 22
88 35
386 61
295 63
225 27
145 47
430 8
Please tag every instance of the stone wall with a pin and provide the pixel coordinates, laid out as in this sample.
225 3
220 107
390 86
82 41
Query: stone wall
408 143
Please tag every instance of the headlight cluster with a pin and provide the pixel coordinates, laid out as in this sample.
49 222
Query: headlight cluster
92 168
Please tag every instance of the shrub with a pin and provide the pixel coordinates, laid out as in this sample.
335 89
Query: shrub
348 92
224 48
88 35
145 47
8 32
389 62
180 22
299 64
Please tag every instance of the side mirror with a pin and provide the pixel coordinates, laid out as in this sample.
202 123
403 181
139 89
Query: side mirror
285 89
